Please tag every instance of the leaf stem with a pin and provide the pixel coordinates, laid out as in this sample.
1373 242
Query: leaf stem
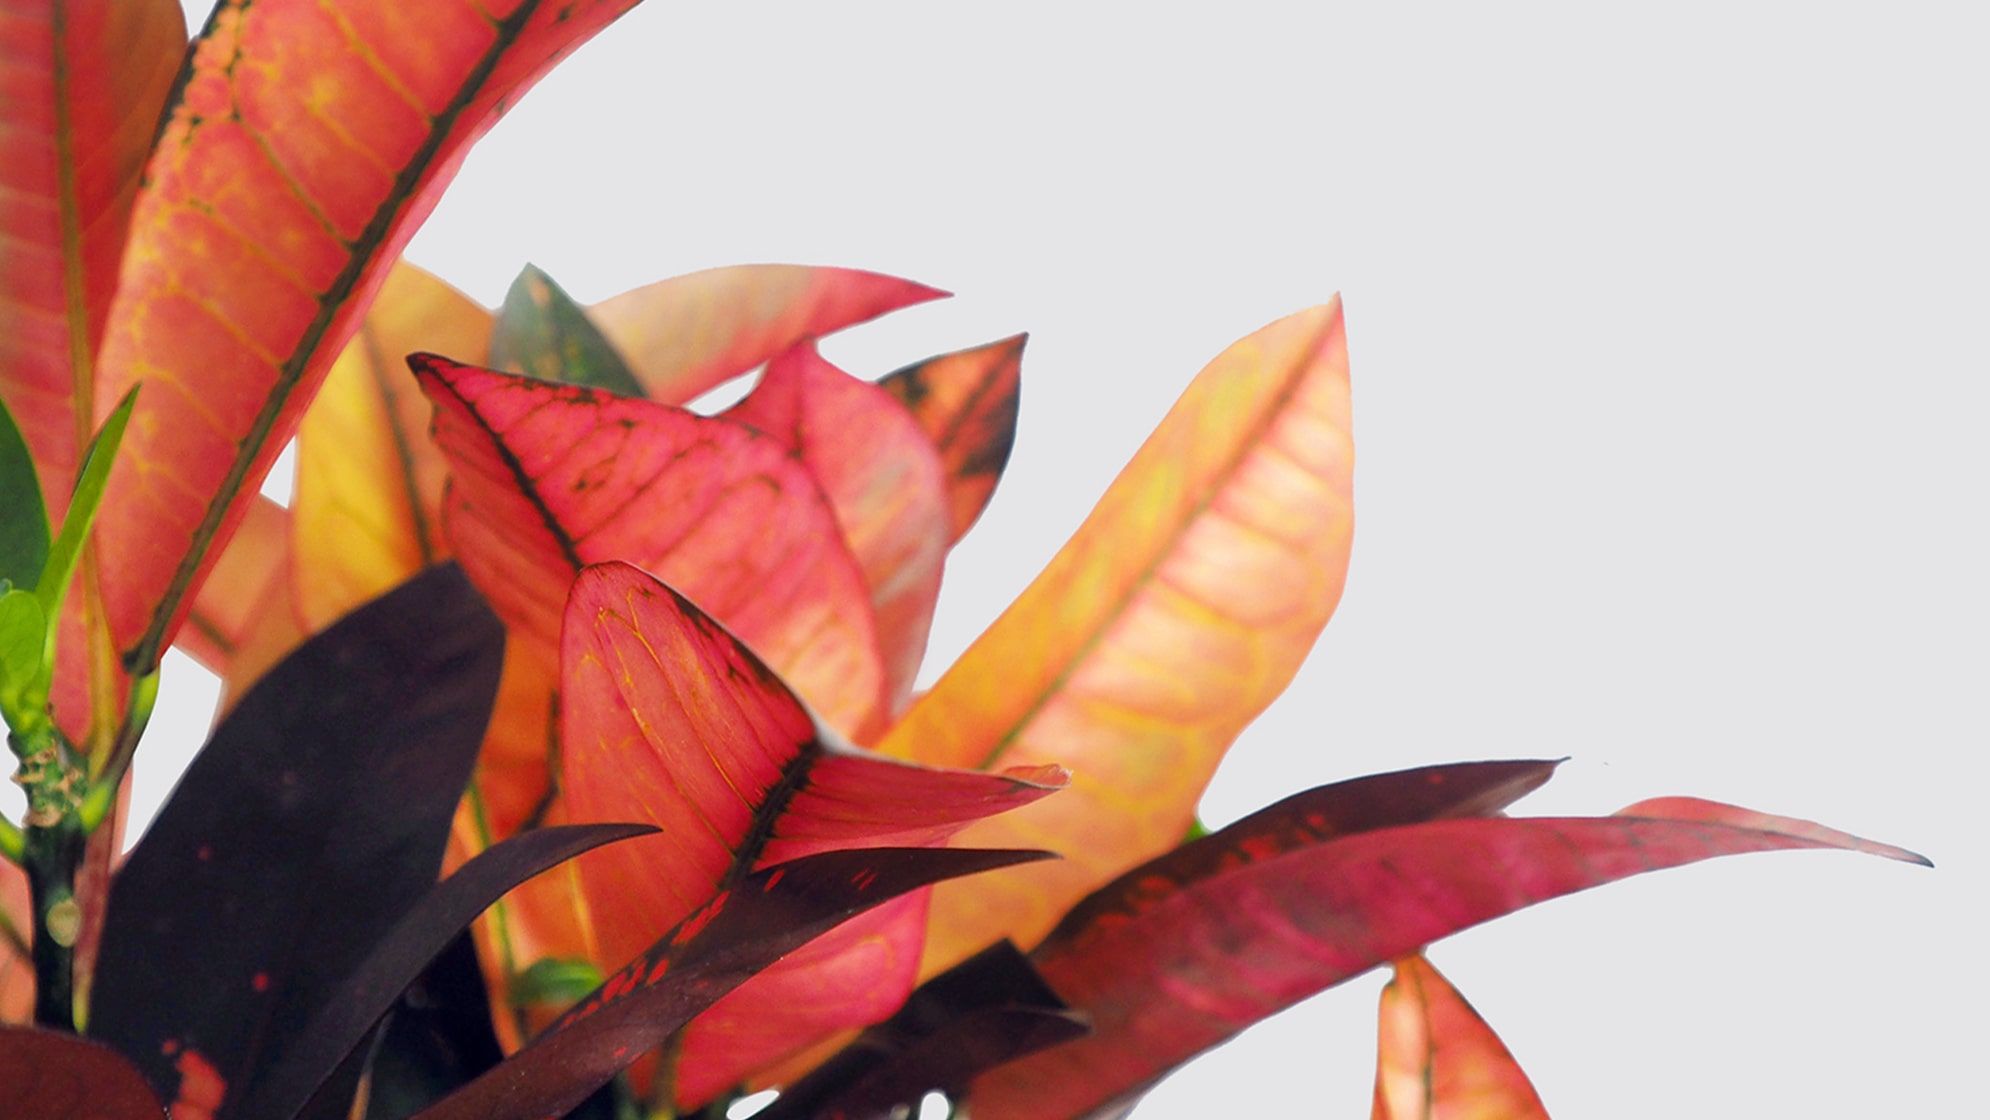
137 714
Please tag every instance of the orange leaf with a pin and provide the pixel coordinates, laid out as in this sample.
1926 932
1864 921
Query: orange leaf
1179 610
883 479
685 335
369 479
1439 1061
967 403
84 83
308 143
224 612
546 479
669 719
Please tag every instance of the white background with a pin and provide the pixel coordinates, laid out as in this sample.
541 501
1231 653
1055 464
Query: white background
1669 396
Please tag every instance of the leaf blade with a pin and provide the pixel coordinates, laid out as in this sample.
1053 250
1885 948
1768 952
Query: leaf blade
968 402
542 332
56 1076
1438 1060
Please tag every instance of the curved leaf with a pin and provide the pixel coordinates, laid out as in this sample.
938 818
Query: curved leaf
670 720
726 942
85 82
885 483
685 335
54 1076
549 478
1438 1060
967 401
308 142
1175 964
1176 613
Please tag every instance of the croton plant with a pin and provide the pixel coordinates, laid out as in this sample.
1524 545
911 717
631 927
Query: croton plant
571 760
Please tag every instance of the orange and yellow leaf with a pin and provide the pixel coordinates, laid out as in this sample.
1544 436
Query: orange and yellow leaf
1437 1060
967 402
224 612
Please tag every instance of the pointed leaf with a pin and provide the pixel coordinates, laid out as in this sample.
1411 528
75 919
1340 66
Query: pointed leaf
280 837
541 331
66 551
670 720
1177 612
85 82
883 479
763 917
549 478
967 402
308 142
349 1010
1439 1061
54 1076
23 515
685 335
1169 964
224 612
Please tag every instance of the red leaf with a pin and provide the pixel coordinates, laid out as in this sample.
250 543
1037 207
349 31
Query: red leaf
53 1076
1438 1060
967 402
669 720
885 482
1170 962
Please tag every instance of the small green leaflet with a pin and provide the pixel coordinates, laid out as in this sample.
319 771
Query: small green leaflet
555 982
23 517
83 502
541 332
23 633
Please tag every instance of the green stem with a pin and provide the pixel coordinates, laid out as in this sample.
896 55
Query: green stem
53 853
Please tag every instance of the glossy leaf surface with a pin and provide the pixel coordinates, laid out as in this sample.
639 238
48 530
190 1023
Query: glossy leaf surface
967 401
541 331
84 82
1176 613
883 479
669 720
54 1076
727 941
1438 1060
1169 965
688 334
308 142
279 835
549 478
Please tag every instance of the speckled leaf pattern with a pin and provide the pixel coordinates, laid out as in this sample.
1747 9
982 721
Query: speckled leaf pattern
1176 613
669 720
967 402
1437 1060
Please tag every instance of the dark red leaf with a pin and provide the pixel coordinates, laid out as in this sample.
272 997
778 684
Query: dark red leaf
46 1075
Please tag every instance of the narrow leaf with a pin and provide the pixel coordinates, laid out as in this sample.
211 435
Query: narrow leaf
85 82
67 549
436 1040
541 331
1177 612
688 334
885 483
967 403
1437 1060
308 142
54 1076
282 836
669 719
1180 960
550 478
734 936
23 514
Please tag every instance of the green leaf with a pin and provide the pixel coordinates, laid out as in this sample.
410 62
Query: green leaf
23 635
543 333
68 547
23 517
555 982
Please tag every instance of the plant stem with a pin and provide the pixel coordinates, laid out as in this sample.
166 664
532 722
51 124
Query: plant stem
53 853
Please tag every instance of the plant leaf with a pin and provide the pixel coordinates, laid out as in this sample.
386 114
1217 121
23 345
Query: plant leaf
17 974
542 332
224 613
967 401
23 640
349 1010
668 719
549 478
67 549
308 142
990 1009
85 82
720 946
1175 614
1438 1060
437 1039
23 514
1169 962
311 820
688 334
883 480
51 1075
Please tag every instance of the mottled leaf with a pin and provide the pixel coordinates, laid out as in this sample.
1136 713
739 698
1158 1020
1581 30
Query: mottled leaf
308 142
55 1076
1437 1060
967 402
546 479
1169 962
885 483
669 720
541 331
1178 611
763 917
281 856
